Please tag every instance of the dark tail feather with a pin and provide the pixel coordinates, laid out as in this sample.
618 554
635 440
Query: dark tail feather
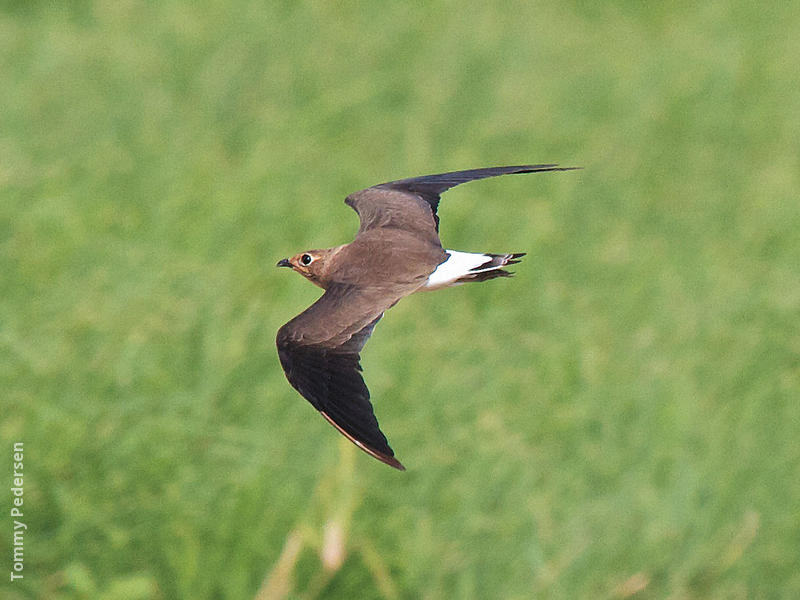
485 276
499 260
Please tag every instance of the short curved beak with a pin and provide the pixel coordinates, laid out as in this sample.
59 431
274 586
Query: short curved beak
284 262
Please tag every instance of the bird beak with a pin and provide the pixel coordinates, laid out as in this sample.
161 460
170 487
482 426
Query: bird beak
284 262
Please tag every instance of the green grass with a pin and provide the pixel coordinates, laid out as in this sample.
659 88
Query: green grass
621 418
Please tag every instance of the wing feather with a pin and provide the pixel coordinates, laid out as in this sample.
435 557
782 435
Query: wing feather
412 203
320 350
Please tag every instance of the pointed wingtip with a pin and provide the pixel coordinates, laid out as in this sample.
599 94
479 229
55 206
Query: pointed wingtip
393 462
386 459
547 167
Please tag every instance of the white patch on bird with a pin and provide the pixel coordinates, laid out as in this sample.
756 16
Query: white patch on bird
456 266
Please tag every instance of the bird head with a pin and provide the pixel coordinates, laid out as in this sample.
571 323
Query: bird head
311 264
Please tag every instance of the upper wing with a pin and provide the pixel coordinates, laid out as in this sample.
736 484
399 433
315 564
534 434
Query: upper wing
319 352
411 203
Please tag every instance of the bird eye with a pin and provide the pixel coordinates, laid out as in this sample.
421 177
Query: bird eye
306 259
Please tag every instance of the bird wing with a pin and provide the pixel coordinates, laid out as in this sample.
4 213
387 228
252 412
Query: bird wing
411 204
319 352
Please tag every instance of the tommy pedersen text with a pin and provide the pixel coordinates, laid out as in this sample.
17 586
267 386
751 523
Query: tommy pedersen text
17 514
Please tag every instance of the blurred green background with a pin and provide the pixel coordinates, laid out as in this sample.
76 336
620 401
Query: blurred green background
621 419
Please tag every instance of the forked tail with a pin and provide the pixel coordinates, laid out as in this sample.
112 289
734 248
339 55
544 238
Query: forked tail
491 268
464 267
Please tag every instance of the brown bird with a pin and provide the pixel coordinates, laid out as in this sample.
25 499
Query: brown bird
396 252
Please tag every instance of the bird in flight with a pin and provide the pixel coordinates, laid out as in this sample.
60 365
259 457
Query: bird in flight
396 252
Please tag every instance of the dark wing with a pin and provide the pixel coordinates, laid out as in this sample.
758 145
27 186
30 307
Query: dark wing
319 352
412 203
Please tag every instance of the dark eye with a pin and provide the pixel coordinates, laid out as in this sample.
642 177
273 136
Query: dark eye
306 259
